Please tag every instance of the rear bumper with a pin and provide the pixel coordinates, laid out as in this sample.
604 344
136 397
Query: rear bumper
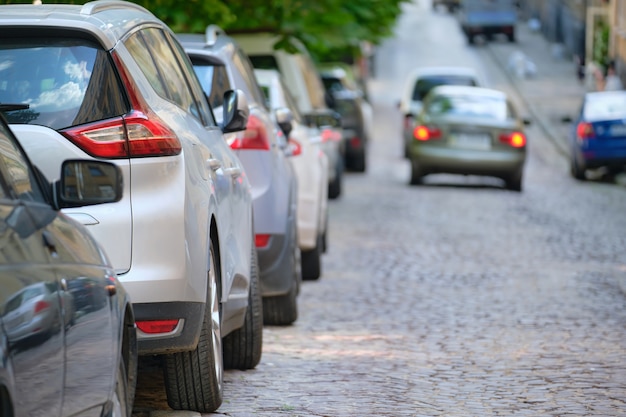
183 338
433 159
276 266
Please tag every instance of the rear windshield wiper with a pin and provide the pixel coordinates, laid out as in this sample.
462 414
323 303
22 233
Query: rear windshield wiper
13 106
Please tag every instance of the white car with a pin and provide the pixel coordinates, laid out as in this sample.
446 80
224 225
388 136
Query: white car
419 83
305 85
311 167
108 81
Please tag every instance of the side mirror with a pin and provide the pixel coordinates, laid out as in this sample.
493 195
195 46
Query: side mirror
88 182
236 111
527 121
566 119
284 117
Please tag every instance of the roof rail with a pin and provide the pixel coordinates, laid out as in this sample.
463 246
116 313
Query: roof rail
211 34
101 5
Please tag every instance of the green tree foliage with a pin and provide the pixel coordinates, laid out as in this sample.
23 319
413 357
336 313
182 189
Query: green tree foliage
329 28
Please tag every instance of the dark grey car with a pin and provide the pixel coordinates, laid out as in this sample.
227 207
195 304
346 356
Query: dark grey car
60 356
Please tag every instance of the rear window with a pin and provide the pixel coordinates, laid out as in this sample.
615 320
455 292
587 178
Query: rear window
66 82
425 84
470 106
264 62
605 107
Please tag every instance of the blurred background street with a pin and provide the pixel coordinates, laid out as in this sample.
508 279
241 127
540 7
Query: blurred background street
455 297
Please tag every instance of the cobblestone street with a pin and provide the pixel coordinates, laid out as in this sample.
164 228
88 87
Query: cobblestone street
453 298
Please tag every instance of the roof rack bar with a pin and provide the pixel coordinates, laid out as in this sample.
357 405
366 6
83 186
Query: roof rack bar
211 34
101 5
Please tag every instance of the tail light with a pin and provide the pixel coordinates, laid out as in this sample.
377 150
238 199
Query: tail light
41 306
157 326
514 139
424 133
140 133
134 135
355 142
261 241
329 135
585 131
294 147
254 137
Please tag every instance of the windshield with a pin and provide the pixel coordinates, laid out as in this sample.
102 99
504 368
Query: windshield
469 106
425 84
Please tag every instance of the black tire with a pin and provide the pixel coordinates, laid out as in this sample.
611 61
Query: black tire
242 348
417 174
470 39
334 187
514 182
312 261
576 170
511 37
358 162
194 380
281 310
122 400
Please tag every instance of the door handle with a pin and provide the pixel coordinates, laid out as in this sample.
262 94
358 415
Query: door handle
214 163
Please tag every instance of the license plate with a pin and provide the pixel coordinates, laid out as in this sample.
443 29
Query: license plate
471 141
618 130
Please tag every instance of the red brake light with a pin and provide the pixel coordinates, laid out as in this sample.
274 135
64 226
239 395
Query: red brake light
134 135
514 139
157 326
294 147
261 241
426 133
254 137
41 306
585 130
330 135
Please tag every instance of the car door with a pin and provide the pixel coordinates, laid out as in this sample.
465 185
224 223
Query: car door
213 82
92 325
30 306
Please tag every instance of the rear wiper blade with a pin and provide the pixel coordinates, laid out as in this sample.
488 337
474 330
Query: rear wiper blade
13 106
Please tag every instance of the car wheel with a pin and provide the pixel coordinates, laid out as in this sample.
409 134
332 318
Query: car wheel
358 162
577 171
334 187
122 403
470 39
312 261
194 380
242 348
511 37
514 182
417 174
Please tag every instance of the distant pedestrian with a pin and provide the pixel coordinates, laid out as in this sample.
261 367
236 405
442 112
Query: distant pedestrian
612 82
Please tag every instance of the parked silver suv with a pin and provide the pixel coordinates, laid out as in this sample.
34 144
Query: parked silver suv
108 81
222 65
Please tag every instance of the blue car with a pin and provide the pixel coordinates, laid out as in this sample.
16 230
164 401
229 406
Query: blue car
598 137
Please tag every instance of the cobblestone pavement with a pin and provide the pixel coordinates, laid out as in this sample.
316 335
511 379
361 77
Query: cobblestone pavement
455 298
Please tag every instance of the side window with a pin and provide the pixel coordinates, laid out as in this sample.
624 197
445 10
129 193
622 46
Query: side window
291 103
16 179
172 84
214 81
243 65
312 80
192 79
139 51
